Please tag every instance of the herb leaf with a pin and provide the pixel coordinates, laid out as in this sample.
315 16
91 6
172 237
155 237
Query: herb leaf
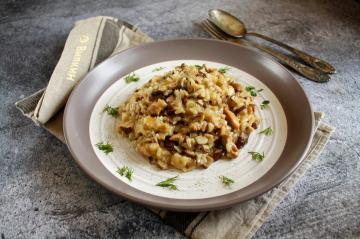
264 104
257 156
111 111
226 181
198 66
249 88
168 183
268 131
131 77
252 90
223 70
126 171
107 148
158 69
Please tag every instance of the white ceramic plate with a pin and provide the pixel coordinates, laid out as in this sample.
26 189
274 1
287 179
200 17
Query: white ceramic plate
199 183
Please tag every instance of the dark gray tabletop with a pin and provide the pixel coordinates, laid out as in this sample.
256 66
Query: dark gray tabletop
43 193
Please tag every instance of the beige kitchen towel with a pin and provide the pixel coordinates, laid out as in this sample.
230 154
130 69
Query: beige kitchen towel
106 36
89 42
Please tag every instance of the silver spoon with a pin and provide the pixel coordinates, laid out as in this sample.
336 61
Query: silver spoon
307 71
236 28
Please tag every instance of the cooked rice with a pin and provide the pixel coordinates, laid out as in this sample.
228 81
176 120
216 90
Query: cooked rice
189 118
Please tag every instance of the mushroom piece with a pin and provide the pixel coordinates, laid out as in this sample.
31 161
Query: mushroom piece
236 86
232 119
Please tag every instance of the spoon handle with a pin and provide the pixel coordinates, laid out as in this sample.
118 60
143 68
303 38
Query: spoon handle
309 72
311 60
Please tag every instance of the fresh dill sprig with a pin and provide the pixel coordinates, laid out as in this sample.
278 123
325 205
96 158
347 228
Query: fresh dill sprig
252 90
114 112
106 148
268 131
264 104
226 180
168 183
126 171
249 88
257 156
223 70
131 78
158 69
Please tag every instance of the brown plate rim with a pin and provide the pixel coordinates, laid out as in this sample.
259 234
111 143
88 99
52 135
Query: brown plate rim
297 107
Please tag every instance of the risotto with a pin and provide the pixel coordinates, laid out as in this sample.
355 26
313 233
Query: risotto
189 117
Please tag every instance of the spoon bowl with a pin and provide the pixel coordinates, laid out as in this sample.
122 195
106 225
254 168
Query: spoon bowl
227 22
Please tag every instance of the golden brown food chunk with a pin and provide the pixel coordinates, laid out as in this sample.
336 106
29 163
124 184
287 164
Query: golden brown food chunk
156 107
232 119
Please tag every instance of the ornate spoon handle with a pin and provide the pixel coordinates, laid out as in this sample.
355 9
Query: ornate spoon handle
311 60
309 72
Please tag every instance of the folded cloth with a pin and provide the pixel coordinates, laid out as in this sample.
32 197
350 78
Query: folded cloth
95 39
89 42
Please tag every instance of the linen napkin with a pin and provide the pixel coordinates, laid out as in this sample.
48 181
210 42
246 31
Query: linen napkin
95 39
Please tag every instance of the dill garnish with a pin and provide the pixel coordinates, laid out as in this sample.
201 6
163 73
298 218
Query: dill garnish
264 104
252 90
223 70
111 111
268 131
107 148
158 69
131 78
126 171
168 183
226 181
257 156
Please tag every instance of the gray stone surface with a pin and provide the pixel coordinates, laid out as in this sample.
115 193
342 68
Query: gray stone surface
43 193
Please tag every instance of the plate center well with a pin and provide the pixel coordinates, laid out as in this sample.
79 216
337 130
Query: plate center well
200 183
